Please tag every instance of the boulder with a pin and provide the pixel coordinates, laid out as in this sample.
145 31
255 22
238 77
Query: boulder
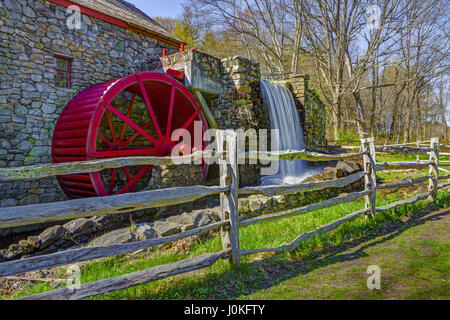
34 241
145 232
332 173
201 219
80 227
167 228
115 237
349 167
51 235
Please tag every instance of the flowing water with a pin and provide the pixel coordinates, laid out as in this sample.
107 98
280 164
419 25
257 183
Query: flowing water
284 117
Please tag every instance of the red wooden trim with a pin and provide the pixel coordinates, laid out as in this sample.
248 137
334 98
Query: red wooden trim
114 21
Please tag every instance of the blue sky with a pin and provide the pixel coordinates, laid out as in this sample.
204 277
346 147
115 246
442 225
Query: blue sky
161 8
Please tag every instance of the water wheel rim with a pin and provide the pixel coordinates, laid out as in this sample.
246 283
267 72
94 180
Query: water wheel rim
104 104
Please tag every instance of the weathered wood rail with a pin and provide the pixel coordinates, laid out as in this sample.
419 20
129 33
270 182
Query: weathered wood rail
229 192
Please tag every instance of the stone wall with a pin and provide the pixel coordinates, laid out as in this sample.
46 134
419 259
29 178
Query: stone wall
231 88
31 33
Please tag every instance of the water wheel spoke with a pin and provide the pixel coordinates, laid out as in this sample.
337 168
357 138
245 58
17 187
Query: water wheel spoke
127 174
149 106
109 143
124 118
122 153
130 109
134 136
172 102
133 181
111 127
113 181
188 122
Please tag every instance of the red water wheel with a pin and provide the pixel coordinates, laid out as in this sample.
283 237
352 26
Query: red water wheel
132 116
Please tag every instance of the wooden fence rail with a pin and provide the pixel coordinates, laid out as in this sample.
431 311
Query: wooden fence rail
228 190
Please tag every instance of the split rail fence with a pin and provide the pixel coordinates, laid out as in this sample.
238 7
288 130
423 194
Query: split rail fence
229 191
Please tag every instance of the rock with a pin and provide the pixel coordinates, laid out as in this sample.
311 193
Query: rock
167 228
349 167
115 237
51 235
145 232
80 227
2 256
201 219
331 173
34 241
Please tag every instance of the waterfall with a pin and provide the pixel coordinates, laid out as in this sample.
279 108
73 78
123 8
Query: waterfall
284 116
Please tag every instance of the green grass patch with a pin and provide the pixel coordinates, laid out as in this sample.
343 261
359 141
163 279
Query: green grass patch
223 281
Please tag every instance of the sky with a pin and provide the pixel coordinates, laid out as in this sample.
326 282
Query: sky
159 8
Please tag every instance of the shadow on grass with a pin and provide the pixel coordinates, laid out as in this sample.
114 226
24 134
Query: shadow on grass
254 276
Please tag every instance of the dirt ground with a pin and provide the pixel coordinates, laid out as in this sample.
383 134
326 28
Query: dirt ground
414 263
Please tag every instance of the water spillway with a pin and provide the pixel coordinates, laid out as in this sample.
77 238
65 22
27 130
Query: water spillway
285 118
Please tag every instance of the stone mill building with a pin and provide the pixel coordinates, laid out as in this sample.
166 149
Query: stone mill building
51 50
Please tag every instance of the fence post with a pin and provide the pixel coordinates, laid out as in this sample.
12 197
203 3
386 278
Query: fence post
418 146
434 168
370 179
229 176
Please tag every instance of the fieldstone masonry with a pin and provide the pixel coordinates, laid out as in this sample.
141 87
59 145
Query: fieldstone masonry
31 33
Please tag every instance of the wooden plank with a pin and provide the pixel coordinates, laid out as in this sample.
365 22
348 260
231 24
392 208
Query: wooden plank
403 202
371 178
444 177
444 185
403 150
434 172
406 144
64 258
131 280
229 176
292 155
206 110
73 209
50 170
313 207
403 183
402 165
309 235
302 187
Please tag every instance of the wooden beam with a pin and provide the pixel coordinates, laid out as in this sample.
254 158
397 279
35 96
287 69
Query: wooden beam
403 202
402 165
434 172
403 150
229 177
371 178
302 154
89 207
309 235
50 170
302 187
132 279
313 207
403 183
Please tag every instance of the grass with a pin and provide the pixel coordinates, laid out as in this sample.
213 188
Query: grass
223 281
